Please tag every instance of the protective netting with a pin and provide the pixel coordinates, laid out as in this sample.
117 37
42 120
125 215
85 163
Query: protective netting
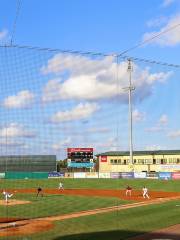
53 100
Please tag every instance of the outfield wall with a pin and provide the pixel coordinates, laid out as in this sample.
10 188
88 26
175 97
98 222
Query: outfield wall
93 175
118 175
26 175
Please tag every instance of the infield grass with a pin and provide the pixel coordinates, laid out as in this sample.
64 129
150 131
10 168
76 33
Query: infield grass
51 205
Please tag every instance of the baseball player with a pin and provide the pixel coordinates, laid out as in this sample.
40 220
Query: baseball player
39 192
7 195
128 190
61 186
145 192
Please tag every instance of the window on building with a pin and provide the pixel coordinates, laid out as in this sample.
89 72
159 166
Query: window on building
115 161
162 161
148 161
119 161
142 161
124 161
134 160
154 161
112 161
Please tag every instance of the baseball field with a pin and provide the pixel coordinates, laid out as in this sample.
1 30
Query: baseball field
90 209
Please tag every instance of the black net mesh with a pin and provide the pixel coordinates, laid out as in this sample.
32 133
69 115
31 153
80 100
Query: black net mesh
54 100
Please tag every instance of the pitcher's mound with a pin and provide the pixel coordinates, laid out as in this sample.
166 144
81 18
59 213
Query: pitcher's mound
12 202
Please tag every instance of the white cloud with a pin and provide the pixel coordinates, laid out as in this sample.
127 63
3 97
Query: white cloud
167 3
64 143
110 144
174 134
171 38
3 34
160 125
138 116
81 111
153 148
16 130
22 99
163 120
157 22
91 79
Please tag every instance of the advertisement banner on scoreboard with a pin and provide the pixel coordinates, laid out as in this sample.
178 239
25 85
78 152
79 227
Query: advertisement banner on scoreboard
176 176
104 175
140 174
165 175
71 150
81 165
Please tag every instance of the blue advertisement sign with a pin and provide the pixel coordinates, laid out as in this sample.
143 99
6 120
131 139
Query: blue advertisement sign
81 165
115 175
55 174
127 175
165 175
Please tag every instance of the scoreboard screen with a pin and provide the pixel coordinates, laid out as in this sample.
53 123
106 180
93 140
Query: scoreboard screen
80 155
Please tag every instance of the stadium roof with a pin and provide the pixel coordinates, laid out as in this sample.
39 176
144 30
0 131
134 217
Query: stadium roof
136 153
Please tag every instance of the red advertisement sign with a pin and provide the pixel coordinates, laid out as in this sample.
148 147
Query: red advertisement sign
70 150
103 158
176 175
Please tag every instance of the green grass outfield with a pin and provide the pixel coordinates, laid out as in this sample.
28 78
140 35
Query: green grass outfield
152 184
106 226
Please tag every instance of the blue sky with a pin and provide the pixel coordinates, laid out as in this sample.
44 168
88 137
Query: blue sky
51 101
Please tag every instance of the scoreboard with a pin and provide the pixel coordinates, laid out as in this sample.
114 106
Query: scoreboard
80 157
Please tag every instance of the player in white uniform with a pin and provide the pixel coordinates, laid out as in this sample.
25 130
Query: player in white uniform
145 192
7 195
61 186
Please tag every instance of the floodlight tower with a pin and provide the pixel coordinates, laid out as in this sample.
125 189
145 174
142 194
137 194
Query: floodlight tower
130 89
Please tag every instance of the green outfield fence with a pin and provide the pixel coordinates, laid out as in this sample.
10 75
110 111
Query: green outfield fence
26 175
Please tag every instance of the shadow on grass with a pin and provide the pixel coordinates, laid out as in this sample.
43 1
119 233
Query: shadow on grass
119 235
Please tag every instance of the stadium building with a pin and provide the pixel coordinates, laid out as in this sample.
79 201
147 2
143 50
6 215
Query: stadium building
143 161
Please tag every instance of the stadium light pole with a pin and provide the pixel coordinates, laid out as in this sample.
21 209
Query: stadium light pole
130 88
